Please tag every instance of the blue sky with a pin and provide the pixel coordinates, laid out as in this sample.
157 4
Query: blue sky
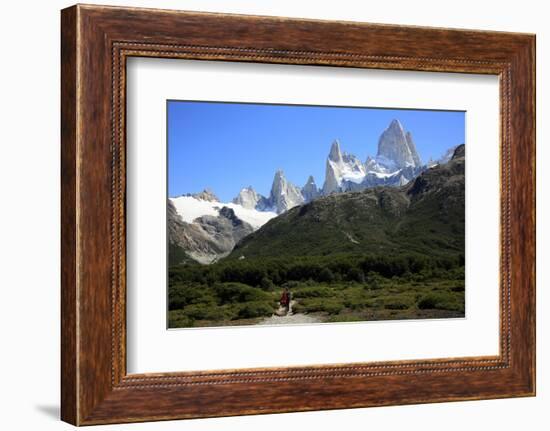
228 146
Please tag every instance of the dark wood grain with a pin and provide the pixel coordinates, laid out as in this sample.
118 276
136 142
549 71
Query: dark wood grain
96 41
69 367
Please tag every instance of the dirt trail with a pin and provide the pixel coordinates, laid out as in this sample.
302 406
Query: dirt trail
289 319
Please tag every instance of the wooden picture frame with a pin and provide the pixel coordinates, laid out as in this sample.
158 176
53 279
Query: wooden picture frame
95 43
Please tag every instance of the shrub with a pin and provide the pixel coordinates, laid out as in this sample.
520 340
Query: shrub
395 303
267 284
355 274
255 309
331 306
458 288
408 276
178 319
326 275
428 301
183 295
312 292
373 282
229 293
291 284
441 301
204 312
298 308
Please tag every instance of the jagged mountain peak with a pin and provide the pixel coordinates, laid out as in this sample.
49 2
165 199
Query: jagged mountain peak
284 195
395 124
412 149
459 152
396 147
206 195
397 162
335 153
249 198
310 190
341 167
279 175
279 182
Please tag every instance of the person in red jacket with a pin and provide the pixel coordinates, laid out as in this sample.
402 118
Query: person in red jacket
285 300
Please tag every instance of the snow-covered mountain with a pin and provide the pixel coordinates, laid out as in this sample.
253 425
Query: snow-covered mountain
207 238
202 215
202 228
397 162
341 169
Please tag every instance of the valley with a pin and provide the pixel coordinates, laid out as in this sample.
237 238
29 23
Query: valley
381 240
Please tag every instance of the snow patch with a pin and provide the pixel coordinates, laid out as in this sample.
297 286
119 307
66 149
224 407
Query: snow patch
190 208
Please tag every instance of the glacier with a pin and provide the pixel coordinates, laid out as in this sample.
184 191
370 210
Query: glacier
190 208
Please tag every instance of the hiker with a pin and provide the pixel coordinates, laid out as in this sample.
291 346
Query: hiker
285 300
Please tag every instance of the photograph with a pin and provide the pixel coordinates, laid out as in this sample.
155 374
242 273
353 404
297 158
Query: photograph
303 214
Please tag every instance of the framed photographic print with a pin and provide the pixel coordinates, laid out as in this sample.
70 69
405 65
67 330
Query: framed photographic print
268 215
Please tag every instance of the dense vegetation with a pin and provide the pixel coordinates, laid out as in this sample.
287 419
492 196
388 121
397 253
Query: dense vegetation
337 288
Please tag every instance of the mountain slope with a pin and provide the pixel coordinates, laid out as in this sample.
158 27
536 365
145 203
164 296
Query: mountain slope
426 216
207 238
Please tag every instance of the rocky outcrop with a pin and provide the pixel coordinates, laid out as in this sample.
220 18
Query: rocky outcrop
459 152
310 190
249 198
412 149
205 195
284 195
395 147
207 238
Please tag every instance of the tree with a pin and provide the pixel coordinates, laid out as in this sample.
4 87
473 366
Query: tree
326 275
267 284
355 274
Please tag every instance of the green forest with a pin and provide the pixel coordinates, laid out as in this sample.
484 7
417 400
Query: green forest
345 287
